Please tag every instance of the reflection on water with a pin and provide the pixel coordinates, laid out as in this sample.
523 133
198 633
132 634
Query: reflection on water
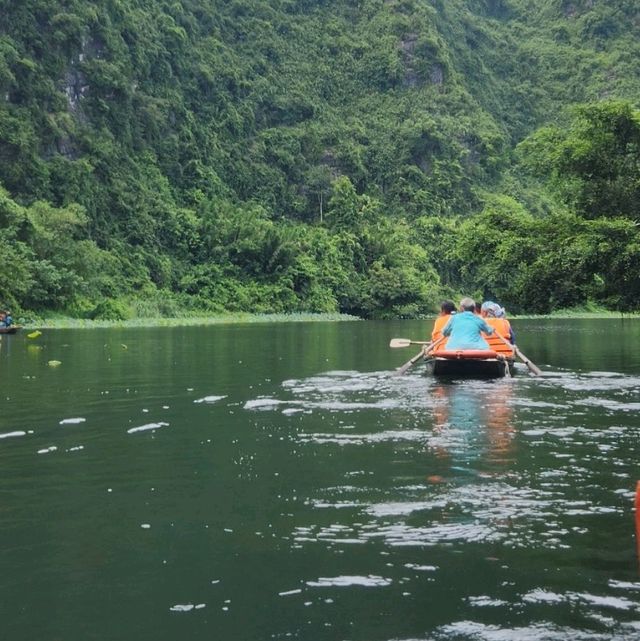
503 467
473 420
170 491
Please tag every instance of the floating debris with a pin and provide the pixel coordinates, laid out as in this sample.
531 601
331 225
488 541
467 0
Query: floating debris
209 399
148 426
12 434
72 421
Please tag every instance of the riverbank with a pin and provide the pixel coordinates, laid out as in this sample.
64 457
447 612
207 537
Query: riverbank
63 322
568 313
66 322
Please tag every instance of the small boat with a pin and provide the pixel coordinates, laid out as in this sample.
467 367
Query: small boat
469 363
12 329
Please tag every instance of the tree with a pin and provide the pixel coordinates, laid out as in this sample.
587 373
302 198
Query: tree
594 165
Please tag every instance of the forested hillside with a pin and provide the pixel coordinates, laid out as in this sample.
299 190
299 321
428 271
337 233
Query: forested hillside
370 157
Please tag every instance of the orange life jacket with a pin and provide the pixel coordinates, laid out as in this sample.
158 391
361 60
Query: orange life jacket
438 326
502 327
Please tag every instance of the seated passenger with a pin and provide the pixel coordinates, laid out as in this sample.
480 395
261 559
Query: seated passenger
464 329
494 316
447 308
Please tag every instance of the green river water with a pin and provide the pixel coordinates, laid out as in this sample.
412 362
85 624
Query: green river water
276 481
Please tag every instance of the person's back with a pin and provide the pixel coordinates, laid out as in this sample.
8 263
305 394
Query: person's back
465 329
502 328
447 308
494 315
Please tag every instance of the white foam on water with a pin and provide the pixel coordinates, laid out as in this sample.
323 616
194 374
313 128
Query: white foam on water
334 382
404 535
370 581
72 421
607 403
187 607
46 450
617 603
289 592
527 402
13 434
400 534
545 631
339 541
359 439
384 404
210 399
267 403
594 509
597 374
543 596
345 391
148 426
618 383
335 406
337 505
624 585
485 601
405 507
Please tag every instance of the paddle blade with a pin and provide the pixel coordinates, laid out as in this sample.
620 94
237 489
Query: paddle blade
34 334
399 342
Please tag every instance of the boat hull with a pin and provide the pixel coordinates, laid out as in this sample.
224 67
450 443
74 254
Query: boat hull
469 364
12 329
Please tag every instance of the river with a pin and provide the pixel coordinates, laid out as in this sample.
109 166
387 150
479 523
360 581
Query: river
277 481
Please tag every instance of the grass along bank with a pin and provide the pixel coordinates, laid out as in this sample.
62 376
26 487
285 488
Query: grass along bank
587 311
64 322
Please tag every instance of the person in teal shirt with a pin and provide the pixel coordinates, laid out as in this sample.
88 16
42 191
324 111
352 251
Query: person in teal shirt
464 328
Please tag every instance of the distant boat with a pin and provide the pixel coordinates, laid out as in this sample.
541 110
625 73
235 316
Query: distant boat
12 329
469 363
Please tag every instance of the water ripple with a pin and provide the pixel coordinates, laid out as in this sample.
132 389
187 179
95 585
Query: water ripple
525 465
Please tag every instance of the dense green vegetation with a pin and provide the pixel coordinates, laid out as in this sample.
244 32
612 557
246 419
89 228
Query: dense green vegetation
362 156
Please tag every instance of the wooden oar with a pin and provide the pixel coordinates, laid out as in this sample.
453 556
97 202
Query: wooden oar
405 342
425 351
401 370
507 371
428 350
533 368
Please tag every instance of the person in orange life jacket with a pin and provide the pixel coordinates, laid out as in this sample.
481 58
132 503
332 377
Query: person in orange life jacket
447 308
494 316
465 329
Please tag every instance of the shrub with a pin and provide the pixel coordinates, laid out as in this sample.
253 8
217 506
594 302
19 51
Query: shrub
110 310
